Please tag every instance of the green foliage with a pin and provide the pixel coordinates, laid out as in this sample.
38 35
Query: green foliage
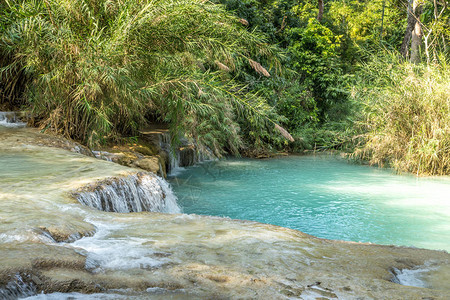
94 69
271 17
436 31
406 115
361 22
314 53
222 72
312 89
329 136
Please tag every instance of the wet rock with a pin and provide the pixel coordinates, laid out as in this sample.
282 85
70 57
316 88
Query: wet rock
153 152
188 156
31 258
67 281
126 158
36 279
146 149
77 262
154 164
69 232
149 163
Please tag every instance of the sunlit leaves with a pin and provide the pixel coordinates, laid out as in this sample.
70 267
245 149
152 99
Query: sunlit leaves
97 68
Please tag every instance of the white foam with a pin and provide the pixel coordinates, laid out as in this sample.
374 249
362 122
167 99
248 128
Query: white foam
77 296
411 277
26 236
9 119
17 289
103 155
105 251
135 193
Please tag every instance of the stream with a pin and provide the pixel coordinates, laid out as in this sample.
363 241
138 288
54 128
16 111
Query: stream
76 227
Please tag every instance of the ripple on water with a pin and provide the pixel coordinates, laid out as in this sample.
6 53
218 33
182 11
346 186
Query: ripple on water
324 196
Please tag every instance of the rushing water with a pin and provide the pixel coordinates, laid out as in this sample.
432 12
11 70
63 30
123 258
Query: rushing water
10 119
324 196
51 243
134 193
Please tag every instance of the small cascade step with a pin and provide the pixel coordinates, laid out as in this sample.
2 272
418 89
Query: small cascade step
411 277
184 155
188 154
134 193
10 119
17 288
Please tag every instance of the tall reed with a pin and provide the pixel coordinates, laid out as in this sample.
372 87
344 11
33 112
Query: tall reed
93 69
406 115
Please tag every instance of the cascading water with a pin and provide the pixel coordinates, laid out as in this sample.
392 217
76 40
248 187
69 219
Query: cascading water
16 289
103 155
174 159
408 277
166 256
186 156
10 119
134 193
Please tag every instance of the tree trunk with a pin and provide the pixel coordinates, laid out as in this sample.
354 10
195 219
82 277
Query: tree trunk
404 49
321 7
416 35
413 33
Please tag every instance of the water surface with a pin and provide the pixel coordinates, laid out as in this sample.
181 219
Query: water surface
69 247
323 196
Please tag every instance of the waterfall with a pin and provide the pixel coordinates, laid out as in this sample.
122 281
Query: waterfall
10 119
134 193
17 288
186 155
411 277
103 155
165 144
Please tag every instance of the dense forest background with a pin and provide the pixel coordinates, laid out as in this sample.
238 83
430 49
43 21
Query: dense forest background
238 76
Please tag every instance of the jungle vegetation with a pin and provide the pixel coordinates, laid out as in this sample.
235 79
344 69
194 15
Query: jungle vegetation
238 76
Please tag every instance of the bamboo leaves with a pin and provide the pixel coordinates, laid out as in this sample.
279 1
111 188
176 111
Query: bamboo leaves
96 68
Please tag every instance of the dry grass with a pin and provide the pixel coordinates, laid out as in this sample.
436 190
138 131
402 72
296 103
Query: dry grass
258 68
407 118
284 133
